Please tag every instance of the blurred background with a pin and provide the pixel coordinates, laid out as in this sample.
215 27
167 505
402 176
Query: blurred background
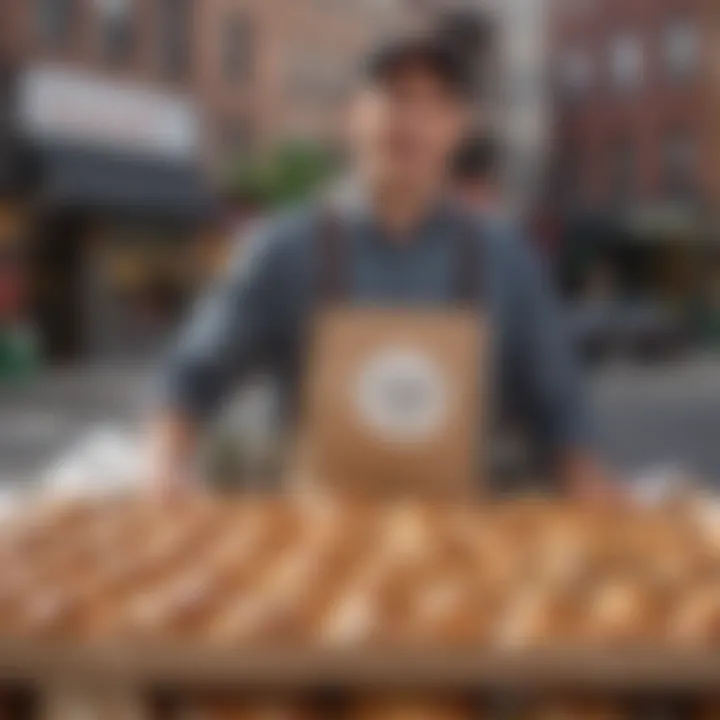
139 137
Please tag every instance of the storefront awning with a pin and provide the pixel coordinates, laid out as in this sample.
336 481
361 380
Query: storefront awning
669 220
92 179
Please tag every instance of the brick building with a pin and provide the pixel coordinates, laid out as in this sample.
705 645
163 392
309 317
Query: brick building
115 115
103 191
259 70
634 160
267 71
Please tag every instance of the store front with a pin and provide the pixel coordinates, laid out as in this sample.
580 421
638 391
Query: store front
143 276
660 253
663 257
117 204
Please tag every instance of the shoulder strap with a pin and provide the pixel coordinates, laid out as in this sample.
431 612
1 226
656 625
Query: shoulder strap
331 258
332 266
468 281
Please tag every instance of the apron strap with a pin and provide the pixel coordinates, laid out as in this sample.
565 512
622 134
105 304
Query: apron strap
331 258
468 280
332 284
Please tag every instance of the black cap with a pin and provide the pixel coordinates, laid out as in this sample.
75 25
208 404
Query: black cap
469 31
425 50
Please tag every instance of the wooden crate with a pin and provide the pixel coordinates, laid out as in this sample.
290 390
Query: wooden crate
103 677
115 683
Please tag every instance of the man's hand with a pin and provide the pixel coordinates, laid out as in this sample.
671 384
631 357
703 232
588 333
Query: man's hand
171 450
584 479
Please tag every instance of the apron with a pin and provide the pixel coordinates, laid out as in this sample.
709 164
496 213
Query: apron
392 396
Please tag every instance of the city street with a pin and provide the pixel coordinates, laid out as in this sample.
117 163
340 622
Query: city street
661 417
648 418
41 419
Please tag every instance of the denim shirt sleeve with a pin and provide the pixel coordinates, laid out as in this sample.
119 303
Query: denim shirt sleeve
229 328
546 362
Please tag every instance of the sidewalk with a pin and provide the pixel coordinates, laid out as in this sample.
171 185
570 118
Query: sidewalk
661 415
40 419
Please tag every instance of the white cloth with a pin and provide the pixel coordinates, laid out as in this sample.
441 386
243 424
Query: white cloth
107 461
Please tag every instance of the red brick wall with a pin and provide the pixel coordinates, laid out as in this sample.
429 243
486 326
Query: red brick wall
19 38
592 124
261 105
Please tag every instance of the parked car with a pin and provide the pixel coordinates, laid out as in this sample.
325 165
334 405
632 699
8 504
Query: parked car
592 327
648 331
641 330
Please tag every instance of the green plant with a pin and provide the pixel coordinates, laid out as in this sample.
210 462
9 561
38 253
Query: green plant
290 172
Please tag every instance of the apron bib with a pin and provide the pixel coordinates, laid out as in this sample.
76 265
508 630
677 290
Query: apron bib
392 396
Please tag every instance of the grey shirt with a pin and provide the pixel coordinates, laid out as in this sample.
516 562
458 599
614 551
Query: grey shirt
261 310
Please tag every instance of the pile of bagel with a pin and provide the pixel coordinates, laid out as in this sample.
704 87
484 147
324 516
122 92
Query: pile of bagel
329 573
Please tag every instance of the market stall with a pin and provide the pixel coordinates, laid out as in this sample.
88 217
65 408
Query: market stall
316 608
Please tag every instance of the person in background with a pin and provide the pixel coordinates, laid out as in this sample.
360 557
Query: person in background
395 240
477 174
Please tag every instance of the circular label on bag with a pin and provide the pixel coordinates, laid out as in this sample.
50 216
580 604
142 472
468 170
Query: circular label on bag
402 395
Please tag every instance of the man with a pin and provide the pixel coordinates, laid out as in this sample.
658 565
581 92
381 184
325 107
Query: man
409 114
476 173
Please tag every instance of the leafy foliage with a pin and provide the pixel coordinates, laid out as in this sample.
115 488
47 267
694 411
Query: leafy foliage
289 173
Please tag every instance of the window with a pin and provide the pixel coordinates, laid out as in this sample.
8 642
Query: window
314 78
117 29
680 162
55 20
574 8
566 173
174 25
623 167
627 62
237 49
681 49
575 72
237 139
584 7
